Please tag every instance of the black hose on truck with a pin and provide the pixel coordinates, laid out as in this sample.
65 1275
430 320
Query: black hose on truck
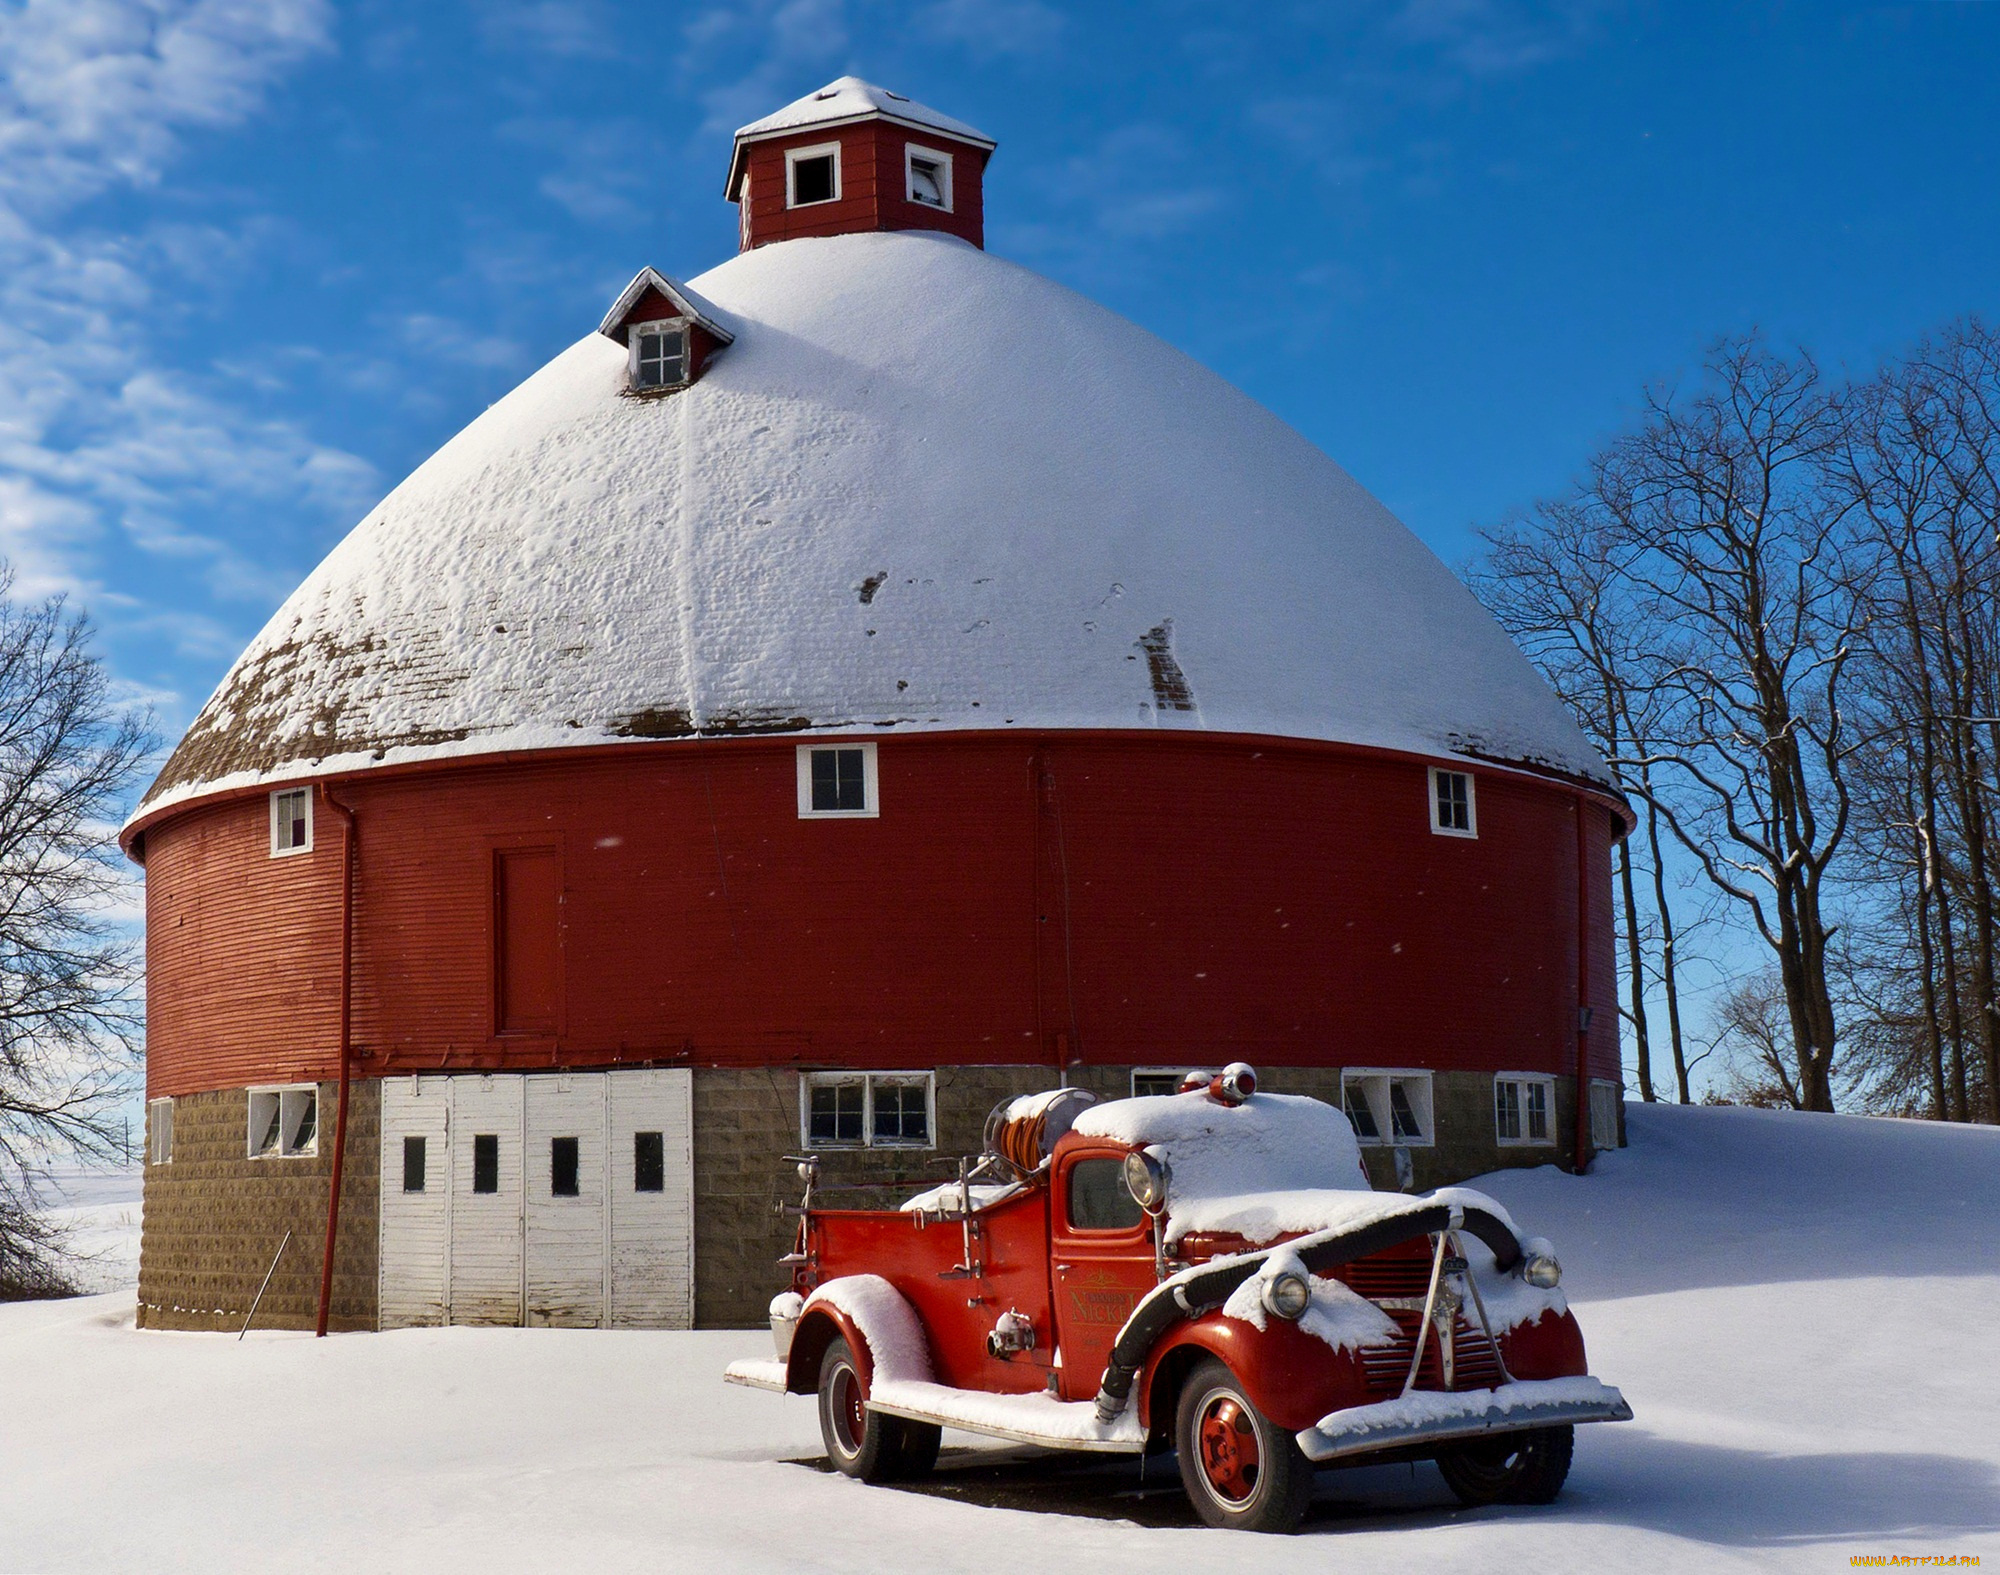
1192 1294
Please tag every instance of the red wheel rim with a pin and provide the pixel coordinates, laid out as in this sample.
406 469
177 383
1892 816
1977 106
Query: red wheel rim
1228 1442
850 1412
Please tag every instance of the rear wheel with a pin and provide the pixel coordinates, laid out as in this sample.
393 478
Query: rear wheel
862 1442
1519 1468
1241 1472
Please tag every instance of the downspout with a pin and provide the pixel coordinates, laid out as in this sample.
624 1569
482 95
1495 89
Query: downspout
347 845
1582 986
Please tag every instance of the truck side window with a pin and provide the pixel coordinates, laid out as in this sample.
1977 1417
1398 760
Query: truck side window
1099 1198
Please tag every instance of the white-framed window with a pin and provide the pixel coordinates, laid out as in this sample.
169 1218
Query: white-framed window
1389 1105
1453 810
838 782
1524 1109
812 175
1160 1079
159 1131
1605 1098
291 822
868 1109
284 1121
927 177
658 353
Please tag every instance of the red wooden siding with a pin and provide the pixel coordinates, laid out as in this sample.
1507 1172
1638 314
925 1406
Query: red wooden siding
527 951
873 195
1129 898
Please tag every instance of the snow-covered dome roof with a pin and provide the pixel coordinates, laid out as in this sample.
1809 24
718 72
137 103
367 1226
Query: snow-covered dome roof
923 489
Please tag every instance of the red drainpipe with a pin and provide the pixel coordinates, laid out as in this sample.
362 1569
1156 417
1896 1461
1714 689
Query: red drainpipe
347 841
1582 987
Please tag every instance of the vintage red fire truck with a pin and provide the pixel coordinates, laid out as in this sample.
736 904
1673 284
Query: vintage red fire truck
1207 1273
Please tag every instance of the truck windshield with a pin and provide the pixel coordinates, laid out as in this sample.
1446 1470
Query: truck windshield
1099 1198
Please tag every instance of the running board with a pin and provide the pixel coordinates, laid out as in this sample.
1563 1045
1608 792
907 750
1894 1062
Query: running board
1020 1419
757 1372
1428 1416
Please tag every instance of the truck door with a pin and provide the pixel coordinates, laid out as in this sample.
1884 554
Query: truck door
1102 1260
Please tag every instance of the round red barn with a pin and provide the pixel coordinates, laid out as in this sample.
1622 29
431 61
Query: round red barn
848 688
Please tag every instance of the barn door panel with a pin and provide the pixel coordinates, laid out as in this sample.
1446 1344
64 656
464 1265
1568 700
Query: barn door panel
565 1214
486 1198
416 1201
651 1185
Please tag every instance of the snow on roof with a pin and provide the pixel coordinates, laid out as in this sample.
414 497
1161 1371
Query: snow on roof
691 306
925 490
850 98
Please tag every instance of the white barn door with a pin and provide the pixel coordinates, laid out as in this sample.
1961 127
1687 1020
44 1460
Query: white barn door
416 1200
560 1199
651 1175
566 1211
483 1263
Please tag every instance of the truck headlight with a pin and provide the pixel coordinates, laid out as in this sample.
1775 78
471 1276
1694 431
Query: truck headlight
1541 1270
1287 1294
1146 1180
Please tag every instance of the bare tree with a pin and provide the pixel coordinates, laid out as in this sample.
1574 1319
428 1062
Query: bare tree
1556 585
69 1013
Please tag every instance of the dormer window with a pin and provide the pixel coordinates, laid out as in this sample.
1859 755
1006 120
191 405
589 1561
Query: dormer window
669 334
927 177
812 175
659 354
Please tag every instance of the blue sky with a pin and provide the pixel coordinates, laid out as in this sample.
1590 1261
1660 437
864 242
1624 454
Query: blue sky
259 257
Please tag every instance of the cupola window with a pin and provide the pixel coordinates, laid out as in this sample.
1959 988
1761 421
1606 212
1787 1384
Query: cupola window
659 355
927 178
812 175
1452 811
837 781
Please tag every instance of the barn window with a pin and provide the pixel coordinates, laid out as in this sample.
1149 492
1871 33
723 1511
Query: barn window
927 177
1524 1106
159 1132
291 822
812 175
1388 1106
284 1122
413 1164
527 951
659 354
1452 811
649 1162
486 1162
868 1109
838 781
562 1167
1147 1080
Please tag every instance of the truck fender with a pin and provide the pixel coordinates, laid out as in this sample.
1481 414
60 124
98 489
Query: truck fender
876 1320
1294 1378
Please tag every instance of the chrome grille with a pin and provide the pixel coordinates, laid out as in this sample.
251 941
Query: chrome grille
1475 1363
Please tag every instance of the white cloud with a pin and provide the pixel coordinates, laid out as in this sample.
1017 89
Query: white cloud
100 444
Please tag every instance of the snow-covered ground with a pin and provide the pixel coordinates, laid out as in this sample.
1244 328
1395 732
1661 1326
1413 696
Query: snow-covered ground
98 1211
1801 1309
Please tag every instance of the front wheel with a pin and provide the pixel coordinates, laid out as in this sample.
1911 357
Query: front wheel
1521 1468
1241 1472
862 1442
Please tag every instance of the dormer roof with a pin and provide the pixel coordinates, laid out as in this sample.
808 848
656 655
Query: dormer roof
684 300
843 102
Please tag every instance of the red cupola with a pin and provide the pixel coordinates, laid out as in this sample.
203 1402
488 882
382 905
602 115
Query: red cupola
855 157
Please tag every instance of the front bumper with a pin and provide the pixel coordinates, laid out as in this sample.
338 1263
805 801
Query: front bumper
1427 1416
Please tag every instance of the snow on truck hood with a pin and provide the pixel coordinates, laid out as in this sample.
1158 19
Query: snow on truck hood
924 489
1275 1165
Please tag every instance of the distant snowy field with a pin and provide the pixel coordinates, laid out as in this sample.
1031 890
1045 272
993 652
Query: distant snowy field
1802 1310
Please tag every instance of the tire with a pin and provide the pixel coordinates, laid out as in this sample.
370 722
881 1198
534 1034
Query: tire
1241 1472
919 1450
860 1442
1521 1468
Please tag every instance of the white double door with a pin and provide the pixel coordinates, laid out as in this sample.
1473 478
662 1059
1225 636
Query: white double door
562 1199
